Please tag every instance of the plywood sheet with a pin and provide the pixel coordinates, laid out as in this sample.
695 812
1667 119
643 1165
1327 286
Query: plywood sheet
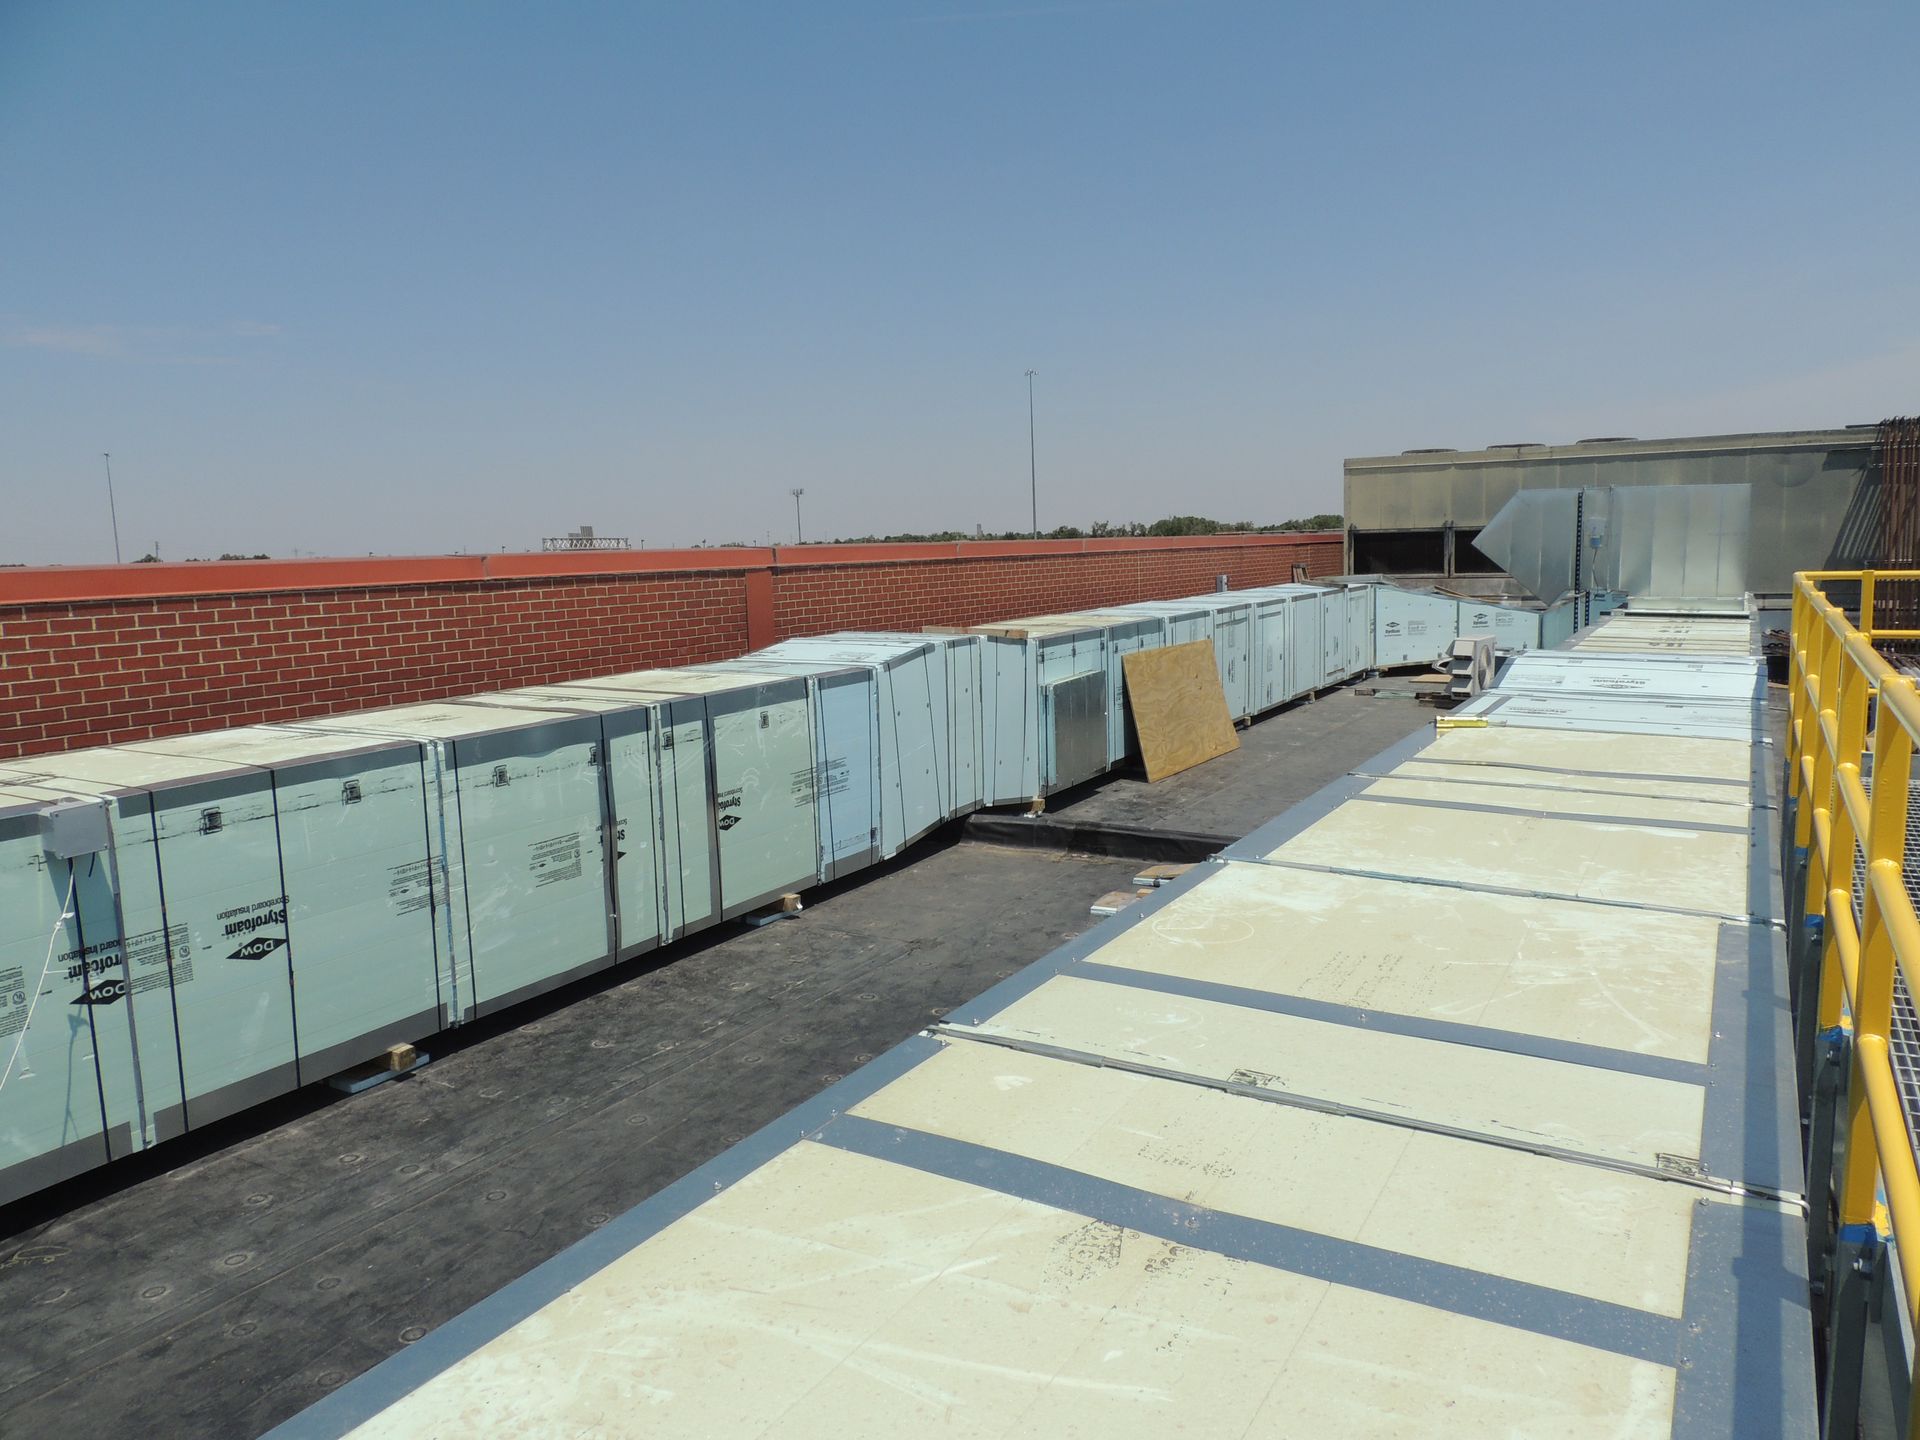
1179 708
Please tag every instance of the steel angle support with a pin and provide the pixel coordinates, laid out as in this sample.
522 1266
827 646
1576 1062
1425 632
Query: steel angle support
1825 1096
1804 982
1890 1315
1858 1257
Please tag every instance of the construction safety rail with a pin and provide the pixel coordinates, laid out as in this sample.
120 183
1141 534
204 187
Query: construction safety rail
1854 723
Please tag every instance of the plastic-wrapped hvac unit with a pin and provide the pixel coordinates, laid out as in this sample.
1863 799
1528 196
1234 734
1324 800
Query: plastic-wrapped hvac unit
1019 670
1233 648
1412 627
521 823
898 729
966 738
1125 634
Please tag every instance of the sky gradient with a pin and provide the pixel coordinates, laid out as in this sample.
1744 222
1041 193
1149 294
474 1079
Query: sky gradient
361 278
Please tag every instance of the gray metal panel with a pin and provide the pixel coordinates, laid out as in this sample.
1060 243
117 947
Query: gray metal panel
1536 539
1675 542
1076 712
1814 503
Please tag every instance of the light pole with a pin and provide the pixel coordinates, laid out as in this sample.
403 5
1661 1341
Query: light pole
112 514
1033 471
799 536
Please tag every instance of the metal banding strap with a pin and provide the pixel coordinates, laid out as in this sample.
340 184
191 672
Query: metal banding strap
1539 1047
1595 774
1524 814
1479 782
1299 1100
1516 891
1517 1304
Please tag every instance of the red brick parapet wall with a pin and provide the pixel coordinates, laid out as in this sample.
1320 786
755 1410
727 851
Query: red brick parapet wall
102 655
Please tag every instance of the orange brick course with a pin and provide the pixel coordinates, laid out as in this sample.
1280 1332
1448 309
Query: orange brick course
99 656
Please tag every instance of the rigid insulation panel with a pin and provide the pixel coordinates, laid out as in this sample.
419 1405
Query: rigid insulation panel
364 927
1018 670
1125 634
966 742
1557 625
910 724
1360 627
1185 620
1305 644
1317 649
1335 666
525 829
1270 624
52 1120
1518 627
1726 679
763 773
855 804
1412 627
1233 647
180 937
654 880
1185 623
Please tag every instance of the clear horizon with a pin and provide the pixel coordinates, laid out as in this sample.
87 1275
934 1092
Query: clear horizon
456 277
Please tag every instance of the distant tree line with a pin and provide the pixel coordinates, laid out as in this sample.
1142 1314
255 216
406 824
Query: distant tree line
152 559
1100 529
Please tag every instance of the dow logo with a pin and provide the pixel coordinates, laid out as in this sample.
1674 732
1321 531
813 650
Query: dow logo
258 948
729 820
103 992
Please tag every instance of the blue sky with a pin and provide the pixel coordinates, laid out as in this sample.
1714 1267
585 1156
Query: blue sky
355 278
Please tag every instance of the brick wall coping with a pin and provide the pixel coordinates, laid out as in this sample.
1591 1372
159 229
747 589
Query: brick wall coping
65 584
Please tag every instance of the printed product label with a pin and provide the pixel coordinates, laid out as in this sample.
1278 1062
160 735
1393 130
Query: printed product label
556 860
810 784
250 928
13 1001
414 886
96 959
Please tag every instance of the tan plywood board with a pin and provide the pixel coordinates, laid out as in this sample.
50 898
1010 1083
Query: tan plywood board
1179 709
1624 979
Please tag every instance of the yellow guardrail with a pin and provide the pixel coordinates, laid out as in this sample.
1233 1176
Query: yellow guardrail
1848 703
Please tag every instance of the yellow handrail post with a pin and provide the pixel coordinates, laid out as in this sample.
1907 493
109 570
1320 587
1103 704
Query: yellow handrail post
1866 603
1821 857
1849 739
1796 628
1872 999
